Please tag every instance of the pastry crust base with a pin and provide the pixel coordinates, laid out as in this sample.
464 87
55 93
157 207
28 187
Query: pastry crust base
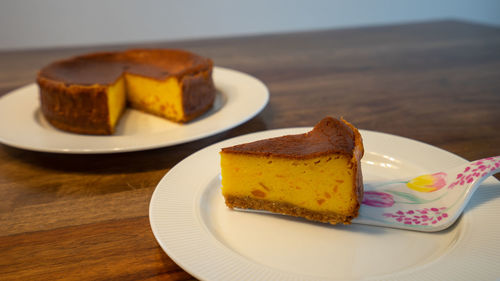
288 209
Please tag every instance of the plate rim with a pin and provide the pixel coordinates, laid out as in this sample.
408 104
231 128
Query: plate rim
407 274
220 77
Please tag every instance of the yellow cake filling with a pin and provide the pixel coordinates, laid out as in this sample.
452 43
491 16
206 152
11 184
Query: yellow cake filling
322 184
116 100
163 98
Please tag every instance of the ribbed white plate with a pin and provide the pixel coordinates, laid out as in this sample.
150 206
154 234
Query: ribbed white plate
195 228
239 98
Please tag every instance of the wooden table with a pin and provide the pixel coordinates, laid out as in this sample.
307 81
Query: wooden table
85 217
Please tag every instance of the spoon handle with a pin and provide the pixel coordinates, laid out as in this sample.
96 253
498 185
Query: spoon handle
430 202
477 171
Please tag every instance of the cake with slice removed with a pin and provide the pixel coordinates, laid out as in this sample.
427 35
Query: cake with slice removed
316 175
87 94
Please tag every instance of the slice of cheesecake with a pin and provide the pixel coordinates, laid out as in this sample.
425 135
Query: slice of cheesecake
316 175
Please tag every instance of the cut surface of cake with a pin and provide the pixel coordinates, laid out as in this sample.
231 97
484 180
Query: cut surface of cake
87 94
316 175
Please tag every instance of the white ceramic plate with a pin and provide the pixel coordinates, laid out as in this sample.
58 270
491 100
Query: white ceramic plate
195 228
239 98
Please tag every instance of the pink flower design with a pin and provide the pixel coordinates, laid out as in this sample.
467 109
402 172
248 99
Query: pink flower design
425 216
428 183
475 170
378 199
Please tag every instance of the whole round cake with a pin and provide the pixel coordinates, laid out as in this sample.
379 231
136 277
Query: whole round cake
87 94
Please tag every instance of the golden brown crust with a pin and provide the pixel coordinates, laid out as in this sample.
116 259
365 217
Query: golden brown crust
78 109
288 209
106 67
357 154
198 94
161 64
330 135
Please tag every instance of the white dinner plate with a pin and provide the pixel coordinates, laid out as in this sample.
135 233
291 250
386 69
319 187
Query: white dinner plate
195 228
239 98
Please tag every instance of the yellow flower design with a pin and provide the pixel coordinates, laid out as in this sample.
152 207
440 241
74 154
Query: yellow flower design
428 183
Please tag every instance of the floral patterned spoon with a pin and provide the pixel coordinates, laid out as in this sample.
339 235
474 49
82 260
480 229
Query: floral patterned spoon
428 202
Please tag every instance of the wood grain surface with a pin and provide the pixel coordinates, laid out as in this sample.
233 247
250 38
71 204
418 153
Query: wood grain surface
85 217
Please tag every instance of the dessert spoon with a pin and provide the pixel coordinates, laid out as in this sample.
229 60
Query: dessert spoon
430 202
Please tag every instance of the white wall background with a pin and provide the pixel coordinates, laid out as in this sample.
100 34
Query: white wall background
54 23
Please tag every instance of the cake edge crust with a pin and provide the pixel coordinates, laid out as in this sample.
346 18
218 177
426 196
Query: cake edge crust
357 154
96 122
285 208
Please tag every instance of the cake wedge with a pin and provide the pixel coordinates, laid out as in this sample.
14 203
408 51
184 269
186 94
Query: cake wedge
316 175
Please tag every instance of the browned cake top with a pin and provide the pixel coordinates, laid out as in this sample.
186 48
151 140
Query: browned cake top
328 136
106 68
